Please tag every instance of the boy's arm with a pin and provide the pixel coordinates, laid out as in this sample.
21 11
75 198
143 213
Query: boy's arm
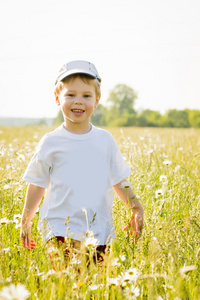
33 198
136 222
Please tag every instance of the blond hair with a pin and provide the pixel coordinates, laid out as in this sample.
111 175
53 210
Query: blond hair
85 78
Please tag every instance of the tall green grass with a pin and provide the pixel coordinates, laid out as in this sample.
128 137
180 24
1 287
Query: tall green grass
164 264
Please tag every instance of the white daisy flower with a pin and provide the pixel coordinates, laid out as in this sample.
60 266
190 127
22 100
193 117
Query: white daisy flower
131 274
94 287
17 217
167 162
7 186
49 273
163 178
177 168
4 221
14 292
122 257
133 292
113 281
158 193
115 262
91 241
21 157
6 250
125 184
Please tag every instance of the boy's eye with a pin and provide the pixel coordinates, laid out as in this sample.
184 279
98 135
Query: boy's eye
87 96
70 95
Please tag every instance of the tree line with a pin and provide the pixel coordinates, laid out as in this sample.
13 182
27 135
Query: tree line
120 112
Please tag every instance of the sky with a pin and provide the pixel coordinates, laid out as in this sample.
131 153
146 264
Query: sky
153 46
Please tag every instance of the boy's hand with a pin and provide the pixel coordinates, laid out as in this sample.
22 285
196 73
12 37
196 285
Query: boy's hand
134 226
25 237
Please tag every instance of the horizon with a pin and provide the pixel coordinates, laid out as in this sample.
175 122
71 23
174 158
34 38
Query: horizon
151 46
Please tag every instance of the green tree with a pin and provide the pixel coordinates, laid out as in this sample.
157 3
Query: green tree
149 118
178 118
194 118
121 102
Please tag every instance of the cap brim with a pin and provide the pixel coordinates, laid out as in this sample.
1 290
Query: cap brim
76 71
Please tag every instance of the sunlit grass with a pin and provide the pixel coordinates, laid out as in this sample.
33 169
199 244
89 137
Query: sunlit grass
165 167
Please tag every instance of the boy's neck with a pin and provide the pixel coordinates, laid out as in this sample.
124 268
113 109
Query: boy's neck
77 128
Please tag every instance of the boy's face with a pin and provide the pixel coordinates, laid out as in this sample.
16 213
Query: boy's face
77 100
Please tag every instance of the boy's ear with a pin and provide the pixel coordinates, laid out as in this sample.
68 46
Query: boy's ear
57 98
97 101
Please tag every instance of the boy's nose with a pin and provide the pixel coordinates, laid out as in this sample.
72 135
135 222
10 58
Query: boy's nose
78 100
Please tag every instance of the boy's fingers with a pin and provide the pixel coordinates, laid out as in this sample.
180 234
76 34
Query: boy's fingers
33 244
27 242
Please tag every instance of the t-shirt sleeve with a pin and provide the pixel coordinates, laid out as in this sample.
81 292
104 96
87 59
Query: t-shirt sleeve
38 170
119 168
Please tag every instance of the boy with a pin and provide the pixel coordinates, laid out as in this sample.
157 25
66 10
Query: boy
77 164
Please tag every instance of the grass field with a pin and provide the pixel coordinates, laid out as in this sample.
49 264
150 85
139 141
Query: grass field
164 264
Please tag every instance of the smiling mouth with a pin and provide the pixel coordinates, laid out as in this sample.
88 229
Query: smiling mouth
77 110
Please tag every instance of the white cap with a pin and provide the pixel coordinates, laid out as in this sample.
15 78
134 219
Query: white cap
78 67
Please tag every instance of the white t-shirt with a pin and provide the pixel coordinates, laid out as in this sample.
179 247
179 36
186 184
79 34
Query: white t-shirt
78 172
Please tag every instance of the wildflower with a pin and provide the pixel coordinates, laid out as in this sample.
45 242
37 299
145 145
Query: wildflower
36 297
125 184
75 261
94 287
133 292
75 286
6 250
122 257
16 217
158 193
116 262
177 168
18 225
113 281
167 162
7 186
15 292
4 221
52 250
163 178
50 272
80 284
150 151
90 240
2 152
17 246
21 157
131 274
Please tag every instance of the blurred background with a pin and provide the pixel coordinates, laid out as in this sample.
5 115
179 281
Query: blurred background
150 46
